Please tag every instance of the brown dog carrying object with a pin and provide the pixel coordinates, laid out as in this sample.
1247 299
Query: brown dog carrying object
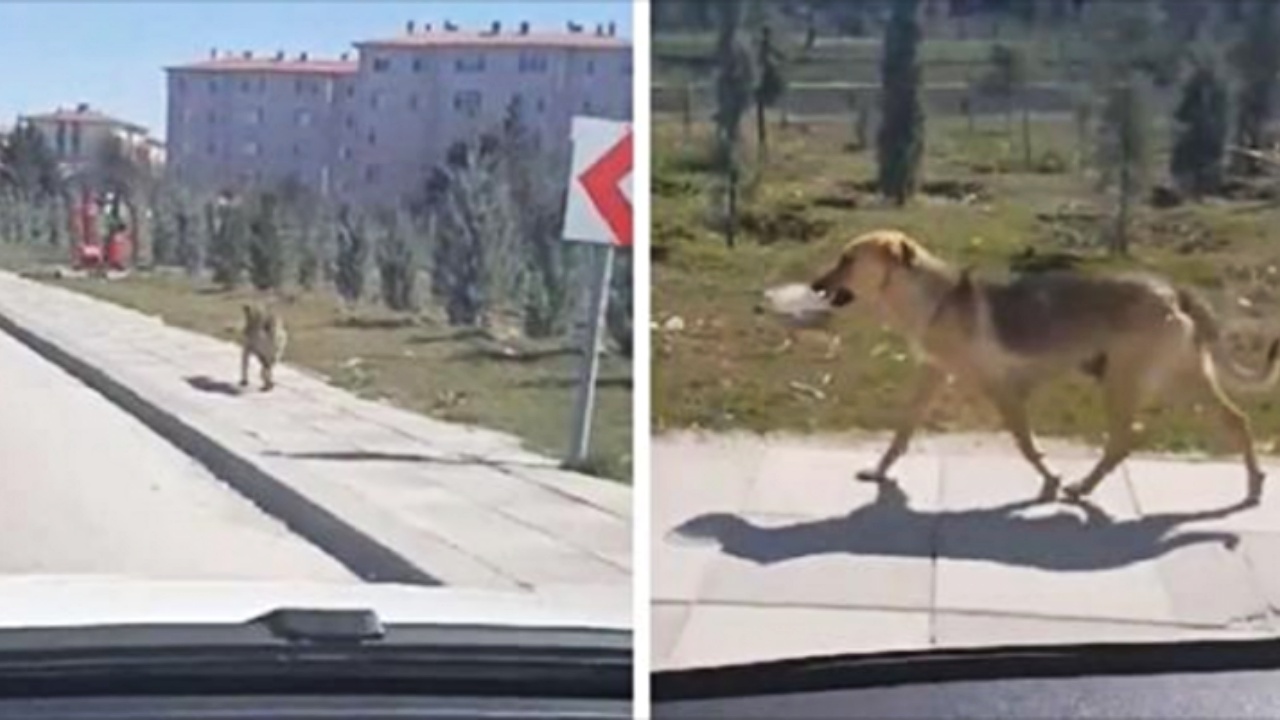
1137 335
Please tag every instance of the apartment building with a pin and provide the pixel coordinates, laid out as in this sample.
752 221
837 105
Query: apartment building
239 120
377 124
76 135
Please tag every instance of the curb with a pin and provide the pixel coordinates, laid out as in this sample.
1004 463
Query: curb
360 553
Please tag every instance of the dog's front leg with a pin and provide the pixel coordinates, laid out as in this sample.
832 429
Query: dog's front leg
922 395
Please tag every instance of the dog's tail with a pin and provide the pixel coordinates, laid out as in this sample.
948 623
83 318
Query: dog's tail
1208 335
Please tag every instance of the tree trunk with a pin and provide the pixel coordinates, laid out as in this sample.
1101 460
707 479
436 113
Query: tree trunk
731 228
1026 132
762 133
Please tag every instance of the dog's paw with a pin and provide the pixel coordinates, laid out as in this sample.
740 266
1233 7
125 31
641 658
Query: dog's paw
1049 490
1074 492
874 476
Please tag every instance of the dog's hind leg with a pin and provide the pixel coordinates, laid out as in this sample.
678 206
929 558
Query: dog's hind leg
1122 400
926 387
1235 422
268 379
1013 410
244 365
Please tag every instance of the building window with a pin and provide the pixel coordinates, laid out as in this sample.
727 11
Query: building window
375 99
252 149
211 148
533 62
182 84
413 101
371 173
213 87
62 138
417 65
212 117
262 85
351 91
373 138
244 86
75 140
351 122
255 116
467 102
471 64
304 118
586 106
542 104
297 86
297 150
345 153
381 64
591 67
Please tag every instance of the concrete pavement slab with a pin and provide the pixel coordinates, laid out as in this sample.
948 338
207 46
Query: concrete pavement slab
1209 583
666 624
968 630
1203 495
969 550
818 482
146 366
829 563
727 634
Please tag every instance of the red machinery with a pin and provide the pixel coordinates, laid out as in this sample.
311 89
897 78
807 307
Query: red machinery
102 239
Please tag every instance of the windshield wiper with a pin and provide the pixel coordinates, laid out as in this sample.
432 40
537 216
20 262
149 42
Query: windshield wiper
317 651
860 671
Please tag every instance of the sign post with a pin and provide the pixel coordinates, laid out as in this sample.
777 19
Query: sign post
598 213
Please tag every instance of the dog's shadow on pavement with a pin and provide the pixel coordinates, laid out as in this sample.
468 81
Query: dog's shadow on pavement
1007 534
204 383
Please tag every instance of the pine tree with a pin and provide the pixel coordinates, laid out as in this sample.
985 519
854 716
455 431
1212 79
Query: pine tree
900 140
1196 161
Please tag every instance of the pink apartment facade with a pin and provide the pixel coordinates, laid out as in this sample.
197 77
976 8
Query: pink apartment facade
368 129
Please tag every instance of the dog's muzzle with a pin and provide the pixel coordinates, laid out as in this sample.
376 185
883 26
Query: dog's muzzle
837 298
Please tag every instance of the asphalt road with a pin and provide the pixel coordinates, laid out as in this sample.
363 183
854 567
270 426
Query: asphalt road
87 489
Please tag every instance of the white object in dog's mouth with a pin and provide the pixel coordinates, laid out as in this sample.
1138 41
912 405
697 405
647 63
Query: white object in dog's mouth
798 304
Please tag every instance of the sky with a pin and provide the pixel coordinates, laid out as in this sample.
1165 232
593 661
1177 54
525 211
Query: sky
112 55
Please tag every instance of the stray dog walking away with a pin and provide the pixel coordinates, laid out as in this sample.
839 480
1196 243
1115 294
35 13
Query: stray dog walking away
1136 335
264 338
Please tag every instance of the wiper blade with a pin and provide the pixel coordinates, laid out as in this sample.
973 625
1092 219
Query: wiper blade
860 671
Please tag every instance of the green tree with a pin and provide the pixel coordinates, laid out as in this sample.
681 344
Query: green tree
1198 149
266 252
397 261
228 231
30 168
1124 149
1256 59
352 257
735 83
770 87
900 140
1009 79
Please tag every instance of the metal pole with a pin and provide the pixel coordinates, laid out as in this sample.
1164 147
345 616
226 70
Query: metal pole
584 407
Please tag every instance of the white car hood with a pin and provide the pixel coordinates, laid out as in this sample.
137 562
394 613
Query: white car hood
80 601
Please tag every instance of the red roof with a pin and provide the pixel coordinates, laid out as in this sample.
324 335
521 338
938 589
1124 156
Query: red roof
585 40
270 64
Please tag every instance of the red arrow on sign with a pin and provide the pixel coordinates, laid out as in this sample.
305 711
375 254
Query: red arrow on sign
601 181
